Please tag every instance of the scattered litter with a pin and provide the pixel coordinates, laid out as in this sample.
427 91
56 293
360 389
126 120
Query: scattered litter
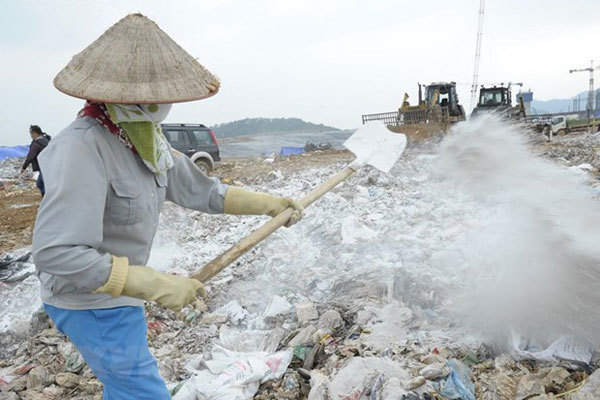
277 306
306 311
566 348
458 385
434 371
359 375
381 259
232 375
234 311
353 231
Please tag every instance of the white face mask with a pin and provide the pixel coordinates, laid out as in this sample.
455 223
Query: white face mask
156 112
139 112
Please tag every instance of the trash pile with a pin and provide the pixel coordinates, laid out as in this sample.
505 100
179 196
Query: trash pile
578 151
361 300
10 168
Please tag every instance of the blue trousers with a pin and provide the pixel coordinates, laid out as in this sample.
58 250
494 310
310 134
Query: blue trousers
40 184
113 343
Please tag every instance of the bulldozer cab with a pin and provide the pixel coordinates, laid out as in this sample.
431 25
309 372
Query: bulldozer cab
443 94
494 97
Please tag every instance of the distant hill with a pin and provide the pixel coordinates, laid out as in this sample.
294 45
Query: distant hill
559 105
259 126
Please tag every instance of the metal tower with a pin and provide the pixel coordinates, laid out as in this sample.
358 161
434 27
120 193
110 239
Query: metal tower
477 54
590 101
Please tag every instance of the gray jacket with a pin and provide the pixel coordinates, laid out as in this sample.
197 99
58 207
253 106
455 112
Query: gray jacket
100 201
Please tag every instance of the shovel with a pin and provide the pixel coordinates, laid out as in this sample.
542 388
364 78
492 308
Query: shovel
372 144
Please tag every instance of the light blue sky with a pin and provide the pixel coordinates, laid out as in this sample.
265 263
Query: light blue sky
326 61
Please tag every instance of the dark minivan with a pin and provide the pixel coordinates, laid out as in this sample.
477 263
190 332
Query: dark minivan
195 141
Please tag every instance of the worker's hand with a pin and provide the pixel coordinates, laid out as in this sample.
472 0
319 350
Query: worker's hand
243 202
286 202
170 291
23 172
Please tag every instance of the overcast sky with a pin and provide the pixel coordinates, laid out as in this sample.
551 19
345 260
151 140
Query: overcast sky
325 61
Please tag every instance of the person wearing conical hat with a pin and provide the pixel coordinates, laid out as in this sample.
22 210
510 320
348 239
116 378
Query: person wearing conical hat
107 175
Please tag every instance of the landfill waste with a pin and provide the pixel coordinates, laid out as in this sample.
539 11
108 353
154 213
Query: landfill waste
458 385
310 146
232 375
10 168
356 300
564 349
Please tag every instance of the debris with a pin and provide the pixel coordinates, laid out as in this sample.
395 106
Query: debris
232 375
311 357
67 379
590 390
303 337
434 371
300 352
74 362
565 348
277 306
530 385
244 340
331 320
384 299
353 231
37 378
458 385
234 311
359 374
415 383
306 311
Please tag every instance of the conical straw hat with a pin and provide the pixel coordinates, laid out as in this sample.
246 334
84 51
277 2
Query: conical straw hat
136 62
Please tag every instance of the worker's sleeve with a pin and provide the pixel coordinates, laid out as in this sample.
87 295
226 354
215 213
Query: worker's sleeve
190 188
69 227
34 150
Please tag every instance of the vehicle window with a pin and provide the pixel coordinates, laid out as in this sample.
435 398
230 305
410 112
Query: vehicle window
177 138
491 98
202 137
557 120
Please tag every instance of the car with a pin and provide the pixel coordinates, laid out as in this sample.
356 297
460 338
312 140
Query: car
196 141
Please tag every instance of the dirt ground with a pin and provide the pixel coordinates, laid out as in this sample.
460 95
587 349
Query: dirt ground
245 170
18 208
19 204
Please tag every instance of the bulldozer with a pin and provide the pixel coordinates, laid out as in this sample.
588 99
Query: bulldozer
498 100
439 104
437 108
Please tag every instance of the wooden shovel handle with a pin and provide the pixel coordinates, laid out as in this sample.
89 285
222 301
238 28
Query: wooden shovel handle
219 263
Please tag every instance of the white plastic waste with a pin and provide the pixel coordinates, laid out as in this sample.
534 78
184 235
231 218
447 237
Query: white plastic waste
232 375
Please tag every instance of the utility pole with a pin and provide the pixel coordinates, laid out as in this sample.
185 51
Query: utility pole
590 101
477 54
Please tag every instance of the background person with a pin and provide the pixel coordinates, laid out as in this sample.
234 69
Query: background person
39 141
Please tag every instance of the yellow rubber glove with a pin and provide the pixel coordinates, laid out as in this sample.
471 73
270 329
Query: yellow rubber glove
239 201
146 283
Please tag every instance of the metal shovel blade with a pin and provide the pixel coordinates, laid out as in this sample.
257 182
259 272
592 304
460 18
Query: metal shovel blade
376 145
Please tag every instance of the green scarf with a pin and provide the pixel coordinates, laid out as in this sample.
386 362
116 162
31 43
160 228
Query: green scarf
141 124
